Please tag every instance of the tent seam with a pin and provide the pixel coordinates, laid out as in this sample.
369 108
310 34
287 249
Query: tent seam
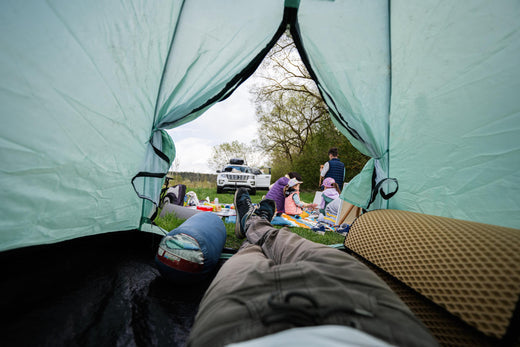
389 92
158 152
174 33
295 32
239 78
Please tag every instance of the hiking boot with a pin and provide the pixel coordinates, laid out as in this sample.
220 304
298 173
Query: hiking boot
244 209
266 209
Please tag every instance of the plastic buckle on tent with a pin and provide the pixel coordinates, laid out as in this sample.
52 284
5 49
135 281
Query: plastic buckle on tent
292 3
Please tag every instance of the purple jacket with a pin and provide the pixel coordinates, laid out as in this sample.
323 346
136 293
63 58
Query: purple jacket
276 193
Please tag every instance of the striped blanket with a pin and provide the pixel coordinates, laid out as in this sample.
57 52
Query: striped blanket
305 221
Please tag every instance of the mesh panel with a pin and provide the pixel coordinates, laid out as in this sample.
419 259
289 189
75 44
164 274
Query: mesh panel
446 328
470 269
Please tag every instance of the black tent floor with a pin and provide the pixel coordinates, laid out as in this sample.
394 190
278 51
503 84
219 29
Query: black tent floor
103 290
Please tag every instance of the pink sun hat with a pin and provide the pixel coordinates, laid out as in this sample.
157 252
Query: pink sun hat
328 182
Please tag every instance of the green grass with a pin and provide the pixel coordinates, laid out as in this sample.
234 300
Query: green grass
170 222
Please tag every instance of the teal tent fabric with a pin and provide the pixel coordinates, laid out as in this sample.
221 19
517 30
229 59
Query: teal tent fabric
351 61
427 89
455 113
88 89
359 189
79 84
214 48
452 153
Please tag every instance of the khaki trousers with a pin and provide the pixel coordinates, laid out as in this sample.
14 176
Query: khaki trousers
281 280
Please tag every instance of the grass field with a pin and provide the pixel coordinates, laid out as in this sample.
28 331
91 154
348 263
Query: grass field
170 222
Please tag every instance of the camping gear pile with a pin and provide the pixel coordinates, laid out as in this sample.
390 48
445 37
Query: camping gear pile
192 205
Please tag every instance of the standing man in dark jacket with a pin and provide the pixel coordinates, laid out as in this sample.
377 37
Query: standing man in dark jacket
333 168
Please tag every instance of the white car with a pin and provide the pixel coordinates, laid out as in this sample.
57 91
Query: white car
236 175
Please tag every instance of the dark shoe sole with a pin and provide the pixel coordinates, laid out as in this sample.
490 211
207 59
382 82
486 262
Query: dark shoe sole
272 206
238 232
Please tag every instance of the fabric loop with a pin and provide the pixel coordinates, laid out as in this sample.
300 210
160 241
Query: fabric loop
389 195
378 189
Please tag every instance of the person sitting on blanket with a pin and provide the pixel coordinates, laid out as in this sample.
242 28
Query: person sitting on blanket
330 192
330 202
280 289
293 205
276 191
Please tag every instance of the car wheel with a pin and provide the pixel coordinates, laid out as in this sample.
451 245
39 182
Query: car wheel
252 191
220 190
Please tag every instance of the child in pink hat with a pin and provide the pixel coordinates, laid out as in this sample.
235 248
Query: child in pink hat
293 205
330 202
330 192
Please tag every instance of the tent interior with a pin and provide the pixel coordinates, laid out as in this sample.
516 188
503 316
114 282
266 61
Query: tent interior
428 90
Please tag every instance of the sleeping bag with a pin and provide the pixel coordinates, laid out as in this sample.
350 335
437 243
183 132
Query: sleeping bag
190 252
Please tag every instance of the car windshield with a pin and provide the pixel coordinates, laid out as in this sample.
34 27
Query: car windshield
230 168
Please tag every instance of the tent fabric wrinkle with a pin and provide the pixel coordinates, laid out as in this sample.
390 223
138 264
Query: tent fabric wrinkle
352 73
204 64
84 112
358 192
455 75
78 84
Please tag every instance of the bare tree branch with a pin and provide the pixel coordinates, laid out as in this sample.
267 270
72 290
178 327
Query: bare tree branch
289 107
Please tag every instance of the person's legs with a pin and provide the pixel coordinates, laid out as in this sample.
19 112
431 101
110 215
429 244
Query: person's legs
283 281
223 309
282 245
345 290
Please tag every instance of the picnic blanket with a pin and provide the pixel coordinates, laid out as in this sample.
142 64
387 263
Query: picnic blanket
305 221
285 220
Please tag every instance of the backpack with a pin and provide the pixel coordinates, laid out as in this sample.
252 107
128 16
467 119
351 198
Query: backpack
173 195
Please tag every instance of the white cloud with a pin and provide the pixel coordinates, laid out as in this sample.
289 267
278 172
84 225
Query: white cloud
229 120
193 154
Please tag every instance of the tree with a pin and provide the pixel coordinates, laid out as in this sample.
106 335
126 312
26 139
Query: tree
316 154
221 154
283 71
288 123
289 107
296 128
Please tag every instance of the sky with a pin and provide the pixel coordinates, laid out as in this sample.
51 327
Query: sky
226 121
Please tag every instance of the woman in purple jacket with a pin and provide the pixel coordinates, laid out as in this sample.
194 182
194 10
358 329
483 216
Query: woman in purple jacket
276 191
